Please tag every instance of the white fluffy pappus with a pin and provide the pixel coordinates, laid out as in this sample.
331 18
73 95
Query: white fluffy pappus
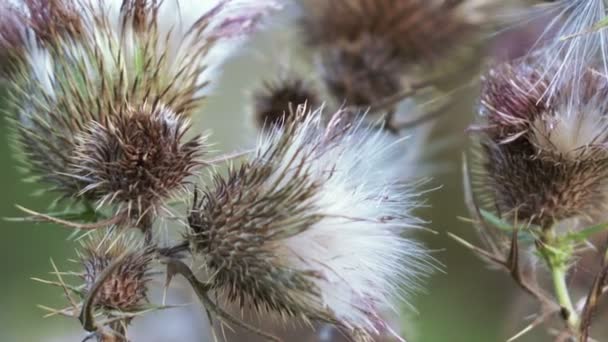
572 41
358 246
575 119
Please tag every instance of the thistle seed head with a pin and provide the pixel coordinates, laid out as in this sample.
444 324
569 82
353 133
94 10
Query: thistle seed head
103 115
365 52
126 288
275 101
311 227
544 160
136 159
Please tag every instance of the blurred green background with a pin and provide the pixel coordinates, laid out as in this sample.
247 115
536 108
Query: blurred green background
468 303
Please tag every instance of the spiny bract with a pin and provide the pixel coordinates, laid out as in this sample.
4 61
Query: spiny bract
126 288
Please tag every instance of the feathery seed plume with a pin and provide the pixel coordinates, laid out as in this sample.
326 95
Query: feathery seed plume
311 227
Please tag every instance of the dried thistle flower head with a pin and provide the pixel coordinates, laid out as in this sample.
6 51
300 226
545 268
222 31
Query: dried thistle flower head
276 100
366 51
137 158
103 115
311 227
543 160
126 288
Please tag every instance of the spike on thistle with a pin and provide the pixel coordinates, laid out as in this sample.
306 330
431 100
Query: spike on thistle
311 228
543 160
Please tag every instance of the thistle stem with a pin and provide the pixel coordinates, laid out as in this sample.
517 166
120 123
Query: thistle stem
563 297
557 257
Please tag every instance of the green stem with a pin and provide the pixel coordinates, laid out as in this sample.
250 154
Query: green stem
557 257
563 297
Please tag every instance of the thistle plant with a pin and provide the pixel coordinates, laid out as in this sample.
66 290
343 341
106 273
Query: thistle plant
313 226
539 182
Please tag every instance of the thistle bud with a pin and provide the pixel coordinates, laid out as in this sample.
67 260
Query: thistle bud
311 227
277 100
543 159
366 53
126 288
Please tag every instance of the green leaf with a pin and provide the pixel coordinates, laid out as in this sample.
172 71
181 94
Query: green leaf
524 233
584 234
496 221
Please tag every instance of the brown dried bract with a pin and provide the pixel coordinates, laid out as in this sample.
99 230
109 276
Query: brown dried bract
125 289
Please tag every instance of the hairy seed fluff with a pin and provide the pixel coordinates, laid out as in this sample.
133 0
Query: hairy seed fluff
311 227
572 42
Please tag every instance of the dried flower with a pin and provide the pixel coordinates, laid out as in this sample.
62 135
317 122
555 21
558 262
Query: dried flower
544 160
311 227
126 288
365 52
138 158
103 115
276 101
